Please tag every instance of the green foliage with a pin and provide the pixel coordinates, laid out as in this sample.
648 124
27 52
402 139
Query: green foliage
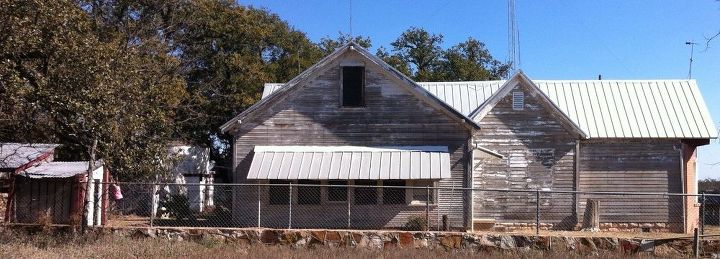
418 53
133 75
709 185
328 45
416 223
178 206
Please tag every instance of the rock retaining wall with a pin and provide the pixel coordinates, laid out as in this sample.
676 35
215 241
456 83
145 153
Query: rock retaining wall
422 240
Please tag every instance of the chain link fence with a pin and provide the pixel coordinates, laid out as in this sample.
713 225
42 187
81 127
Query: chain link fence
365 205
371 205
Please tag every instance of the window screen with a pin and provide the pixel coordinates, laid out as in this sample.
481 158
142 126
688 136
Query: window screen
308 194
337 193
279 195
518 101
365 195
394 195
352 86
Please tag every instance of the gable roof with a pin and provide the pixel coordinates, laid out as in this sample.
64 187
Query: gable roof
321 65
520 78
600 108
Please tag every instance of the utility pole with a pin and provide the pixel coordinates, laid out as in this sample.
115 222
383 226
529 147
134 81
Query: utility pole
692 50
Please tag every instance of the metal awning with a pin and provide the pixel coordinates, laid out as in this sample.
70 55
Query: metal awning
350 162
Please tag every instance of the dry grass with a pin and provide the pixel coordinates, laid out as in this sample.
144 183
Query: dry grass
21 245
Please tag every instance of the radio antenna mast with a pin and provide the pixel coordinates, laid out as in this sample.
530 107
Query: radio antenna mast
692 50
513 38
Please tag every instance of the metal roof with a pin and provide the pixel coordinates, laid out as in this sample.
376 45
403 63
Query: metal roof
14 155
602 108
350 162
58 169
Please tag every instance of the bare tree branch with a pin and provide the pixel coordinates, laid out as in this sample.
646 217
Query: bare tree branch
709 39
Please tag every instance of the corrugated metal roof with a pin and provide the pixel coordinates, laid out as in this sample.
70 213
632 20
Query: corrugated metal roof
464 97
350 162
58 169
14 155
270 88
633 108
603 108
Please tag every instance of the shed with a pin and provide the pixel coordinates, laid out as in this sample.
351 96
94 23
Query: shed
54 193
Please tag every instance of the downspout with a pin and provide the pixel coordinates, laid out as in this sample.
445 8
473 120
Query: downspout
682 185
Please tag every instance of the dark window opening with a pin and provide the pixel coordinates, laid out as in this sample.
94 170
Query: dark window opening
279 195
352 86
393 195
308 194
337 193
365 195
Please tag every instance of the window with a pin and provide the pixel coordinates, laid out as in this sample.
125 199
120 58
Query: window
518 101
279 195
337 193
365 195
352 86
394 195
420 195
308 194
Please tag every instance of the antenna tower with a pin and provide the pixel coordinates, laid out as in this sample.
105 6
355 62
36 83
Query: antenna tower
513 38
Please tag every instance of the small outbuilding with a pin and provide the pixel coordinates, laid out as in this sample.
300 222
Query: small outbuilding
41 190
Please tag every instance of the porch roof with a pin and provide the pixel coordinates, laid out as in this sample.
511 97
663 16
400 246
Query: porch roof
350 162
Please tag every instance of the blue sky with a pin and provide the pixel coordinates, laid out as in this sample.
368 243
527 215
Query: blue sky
558 39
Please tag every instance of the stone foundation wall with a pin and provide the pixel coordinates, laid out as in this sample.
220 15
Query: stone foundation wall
420 240
3 204
610 227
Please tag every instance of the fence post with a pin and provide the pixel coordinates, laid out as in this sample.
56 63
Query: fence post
259 208
702 215
347 195
153 201
290 205
427 208
696 243
537 211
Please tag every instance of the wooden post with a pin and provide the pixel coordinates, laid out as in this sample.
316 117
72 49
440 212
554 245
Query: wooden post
290 206
702 215
591 219
537 212
696 243
445 226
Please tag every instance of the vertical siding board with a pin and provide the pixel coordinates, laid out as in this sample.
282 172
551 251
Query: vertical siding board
393 117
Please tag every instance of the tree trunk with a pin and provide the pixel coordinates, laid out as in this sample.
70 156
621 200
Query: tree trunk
88 196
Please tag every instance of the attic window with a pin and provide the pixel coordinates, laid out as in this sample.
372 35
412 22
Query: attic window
518 101
353 86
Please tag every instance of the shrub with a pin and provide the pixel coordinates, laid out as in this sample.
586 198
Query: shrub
416 223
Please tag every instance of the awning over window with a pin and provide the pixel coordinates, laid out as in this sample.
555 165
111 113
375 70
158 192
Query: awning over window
350 162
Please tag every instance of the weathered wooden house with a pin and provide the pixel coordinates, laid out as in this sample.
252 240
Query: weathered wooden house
353 119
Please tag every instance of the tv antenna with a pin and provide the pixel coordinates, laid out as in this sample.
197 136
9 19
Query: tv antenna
513 38
692 50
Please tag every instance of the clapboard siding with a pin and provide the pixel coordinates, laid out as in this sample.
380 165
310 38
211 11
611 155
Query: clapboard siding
632 166
539 154
311 115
